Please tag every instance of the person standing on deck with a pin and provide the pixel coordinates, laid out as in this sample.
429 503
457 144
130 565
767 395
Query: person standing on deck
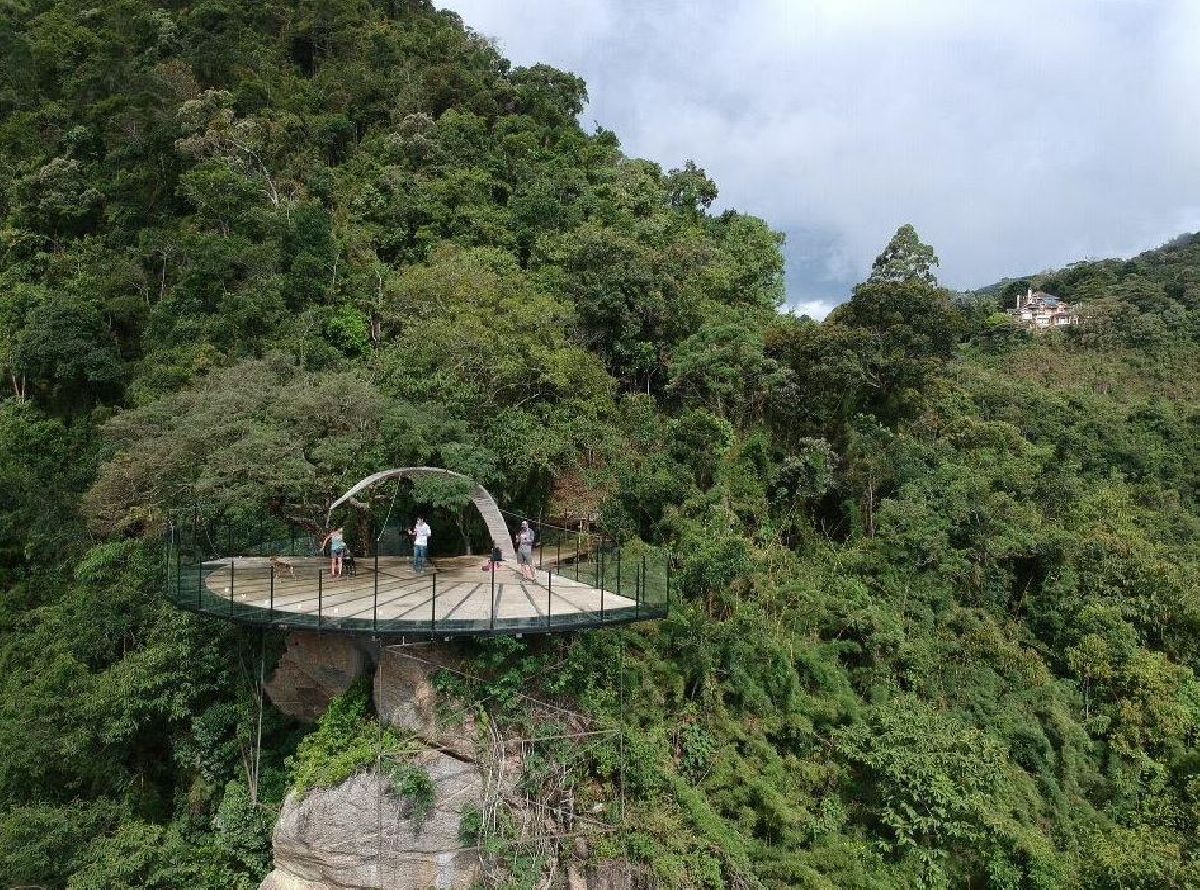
420 534
525 540
337 550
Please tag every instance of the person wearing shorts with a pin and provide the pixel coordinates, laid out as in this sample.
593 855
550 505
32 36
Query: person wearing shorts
525 541
337 550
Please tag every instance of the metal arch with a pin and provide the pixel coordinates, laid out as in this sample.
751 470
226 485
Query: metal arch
480 497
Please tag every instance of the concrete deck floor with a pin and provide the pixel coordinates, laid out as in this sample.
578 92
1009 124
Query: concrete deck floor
464 592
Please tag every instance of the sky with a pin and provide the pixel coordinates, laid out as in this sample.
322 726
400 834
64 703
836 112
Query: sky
1016 135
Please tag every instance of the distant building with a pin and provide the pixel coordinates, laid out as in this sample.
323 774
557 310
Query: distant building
1040 310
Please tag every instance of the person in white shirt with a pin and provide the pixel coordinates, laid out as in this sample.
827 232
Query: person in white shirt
525 541
420 534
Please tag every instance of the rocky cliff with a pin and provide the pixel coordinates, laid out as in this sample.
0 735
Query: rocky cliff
364 833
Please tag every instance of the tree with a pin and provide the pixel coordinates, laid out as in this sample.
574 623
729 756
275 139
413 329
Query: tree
935 784
910 323
692 192
905 259
258 435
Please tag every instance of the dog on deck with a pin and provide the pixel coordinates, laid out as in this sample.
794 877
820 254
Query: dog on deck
281 567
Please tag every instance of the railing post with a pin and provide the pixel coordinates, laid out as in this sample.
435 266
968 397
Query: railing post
667 561
618 568
167 568
600 559
320 595
271 602
199 573
375 582
232 591
549 596
492 607
641 591
433 607
196 560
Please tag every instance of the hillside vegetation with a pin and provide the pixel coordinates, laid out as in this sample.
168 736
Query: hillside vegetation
940 617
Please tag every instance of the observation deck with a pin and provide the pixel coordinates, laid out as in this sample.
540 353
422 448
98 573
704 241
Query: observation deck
267 574
454 596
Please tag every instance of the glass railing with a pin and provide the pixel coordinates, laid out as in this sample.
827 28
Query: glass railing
576 581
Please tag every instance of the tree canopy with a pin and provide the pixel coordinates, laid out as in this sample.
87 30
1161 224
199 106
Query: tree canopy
939 622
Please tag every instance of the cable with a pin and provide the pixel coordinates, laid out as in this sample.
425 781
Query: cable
573 531
383 528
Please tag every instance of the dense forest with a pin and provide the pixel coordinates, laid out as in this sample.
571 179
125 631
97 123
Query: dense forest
940 614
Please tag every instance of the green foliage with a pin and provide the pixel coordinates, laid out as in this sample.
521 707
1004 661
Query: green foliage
906 259
241 829
939 618
414 784
470 826
141 855
935 782
347 741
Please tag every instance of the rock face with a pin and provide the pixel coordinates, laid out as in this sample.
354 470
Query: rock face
314 669
359 835
404 693
610 874
406 699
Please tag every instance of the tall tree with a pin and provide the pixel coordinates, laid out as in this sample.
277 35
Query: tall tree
905 259
909 323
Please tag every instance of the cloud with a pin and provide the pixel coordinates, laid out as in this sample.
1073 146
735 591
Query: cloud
1015 136
817 309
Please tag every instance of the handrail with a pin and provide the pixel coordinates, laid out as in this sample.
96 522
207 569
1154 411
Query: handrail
609 585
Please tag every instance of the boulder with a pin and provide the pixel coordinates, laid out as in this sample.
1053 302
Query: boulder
360 834
314 669
278 880
404 693
575 878
406 699
610 874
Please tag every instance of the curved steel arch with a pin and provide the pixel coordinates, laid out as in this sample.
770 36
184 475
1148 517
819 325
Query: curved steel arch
480 497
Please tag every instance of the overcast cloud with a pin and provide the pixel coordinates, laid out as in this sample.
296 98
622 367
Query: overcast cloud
1016 135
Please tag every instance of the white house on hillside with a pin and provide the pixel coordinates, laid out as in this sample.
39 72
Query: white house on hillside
1040 310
